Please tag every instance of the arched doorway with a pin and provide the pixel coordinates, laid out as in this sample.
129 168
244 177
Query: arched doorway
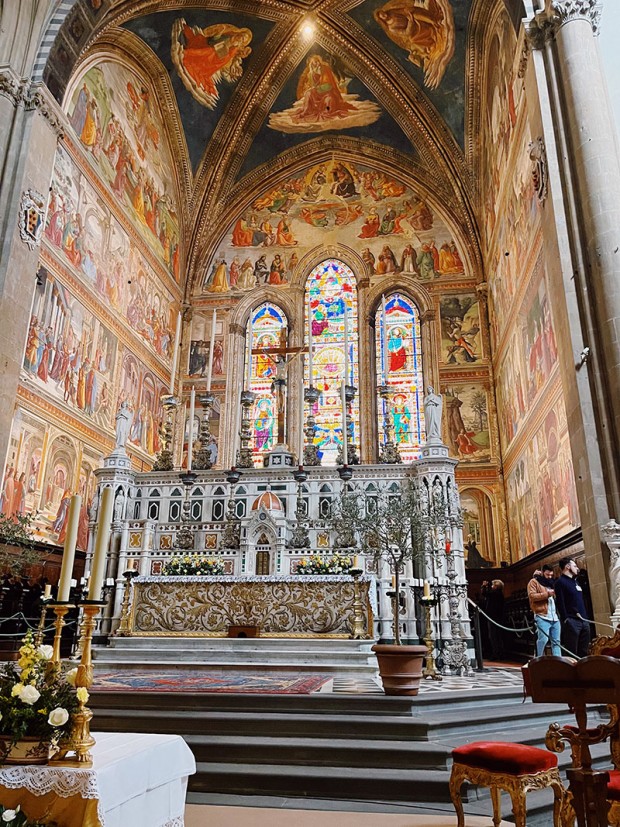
263 555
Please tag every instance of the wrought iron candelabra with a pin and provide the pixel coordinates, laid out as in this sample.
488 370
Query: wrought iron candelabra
244 455
389 453
165 459
311 458
231 536
430 669
399 607
202 457
300 537
185 535
454 654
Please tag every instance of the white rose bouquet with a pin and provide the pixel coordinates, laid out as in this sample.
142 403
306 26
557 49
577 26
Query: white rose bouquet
36 698
17 818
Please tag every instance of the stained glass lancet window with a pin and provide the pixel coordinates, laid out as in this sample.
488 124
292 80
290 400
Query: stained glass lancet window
266 329
330 286
399 366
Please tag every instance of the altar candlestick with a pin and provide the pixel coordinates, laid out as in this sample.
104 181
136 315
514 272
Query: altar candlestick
68 555
190 439
343 399
211 346
310 354
249 364
393 581
101 544
346 343
384 339
175 354
427 589
300 456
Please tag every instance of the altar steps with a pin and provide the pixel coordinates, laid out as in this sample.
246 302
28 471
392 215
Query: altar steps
355 747
235 654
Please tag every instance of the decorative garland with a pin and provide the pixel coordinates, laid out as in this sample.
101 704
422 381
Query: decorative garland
191 565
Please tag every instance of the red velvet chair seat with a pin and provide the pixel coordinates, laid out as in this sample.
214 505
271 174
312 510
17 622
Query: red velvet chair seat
511 759
613 785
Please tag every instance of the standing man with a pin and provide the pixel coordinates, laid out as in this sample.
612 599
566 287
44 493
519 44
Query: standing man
572 608
541 593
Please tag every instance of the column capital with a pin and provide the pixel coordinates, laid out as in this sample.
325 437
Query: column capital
558 13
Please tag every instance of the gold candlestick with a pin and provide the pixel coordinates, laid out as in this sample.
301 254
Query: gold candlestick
358 630
123 627
81 739
38 638
430 670
60 610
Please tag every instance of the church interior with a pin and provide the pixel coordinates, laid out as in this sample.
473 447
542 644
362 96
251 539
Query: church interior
310 333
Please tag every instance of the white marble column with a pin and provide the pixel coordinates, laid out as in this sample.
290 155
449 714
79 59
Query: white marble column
610 534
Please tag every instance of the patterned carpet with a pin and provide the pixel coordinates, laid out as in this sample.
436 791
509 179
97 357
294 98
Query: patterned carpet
228 682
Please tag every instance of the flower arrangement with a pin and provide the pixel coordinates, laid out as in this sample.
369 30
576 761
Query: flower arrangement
191 565
17 818
37 697
315 564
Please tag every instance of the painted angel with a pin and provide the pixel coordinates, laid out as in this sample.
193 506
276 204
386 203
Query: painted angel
204 57
424 28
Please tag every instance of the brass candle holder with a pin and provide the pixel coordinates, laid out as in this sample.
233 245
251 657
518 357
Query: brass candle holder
60 609
430 670
38 638
124 629
358 625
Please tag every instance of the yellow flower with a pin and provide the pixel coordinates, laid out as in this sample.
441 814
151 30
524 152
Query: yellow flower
17 689
82 695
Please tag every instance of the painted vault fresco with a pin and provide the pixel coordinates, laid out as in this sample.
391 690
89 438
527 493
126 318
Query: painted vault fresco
115 116
206 53
45 467
393 227
83 232
427 39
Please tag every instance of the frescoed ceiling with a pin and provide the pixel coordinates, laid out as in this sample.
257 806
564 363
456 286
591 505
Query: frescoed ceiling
255 85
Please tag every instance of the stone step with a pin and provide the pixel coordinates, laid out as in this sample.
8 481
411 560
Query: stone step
237 644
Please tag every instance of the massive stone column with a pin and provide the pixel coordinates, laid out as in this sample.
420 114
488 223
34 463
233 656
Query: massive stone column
584 173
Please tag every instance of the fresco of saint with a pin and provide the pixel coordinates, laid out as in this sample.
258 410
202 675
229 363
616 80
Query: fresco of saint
323 103
204 57
425 29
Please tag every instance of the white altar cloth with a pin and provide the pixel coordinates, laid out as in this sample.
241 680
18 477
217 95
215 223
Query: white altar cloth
138 780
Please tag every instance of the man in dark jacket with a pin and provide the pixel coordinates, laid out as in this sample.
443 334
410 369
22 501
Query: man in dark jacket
572 609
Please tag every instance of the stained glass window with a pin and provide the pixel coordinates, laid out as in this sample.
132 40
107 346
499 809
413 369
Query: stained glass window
330 286
266 329
399 366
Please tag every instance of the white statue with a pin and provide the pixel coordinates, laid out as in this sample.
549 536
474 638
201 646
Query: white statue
123 424
433 405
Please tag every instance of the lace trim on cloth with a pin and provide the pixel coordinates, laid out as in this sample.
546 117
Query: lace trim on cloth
44 780
176 822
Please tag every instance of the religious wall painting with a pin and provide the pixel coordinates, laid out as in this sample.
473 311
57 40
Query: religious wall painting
200 345
461 338
529 358
541 487
206 57
391 226
70 355
142 391
115 115
467 422
44 469
323 101
330 288
399 370
101 254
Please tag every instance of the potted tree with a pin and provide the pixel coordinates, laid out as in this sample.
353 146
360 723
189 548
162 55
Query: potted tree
390 529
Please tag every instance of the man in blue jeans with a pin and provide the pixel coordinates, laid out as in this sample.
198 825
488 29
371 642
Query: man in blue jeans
572 609
540 591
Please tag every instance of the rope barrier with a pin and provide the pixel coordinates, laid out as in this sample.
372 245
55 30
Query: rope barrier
597 623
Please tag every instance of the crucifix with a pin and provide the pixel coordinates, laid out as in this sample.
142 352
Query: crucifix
281 356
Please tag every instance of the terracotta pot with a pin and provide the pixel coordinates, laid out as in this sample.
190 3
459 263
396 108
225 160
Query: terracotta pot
400 667
28 750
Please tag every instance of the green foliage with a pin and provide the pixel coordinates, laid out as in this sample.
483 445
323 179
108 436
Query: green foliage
190 565
315 564
17 531
31 689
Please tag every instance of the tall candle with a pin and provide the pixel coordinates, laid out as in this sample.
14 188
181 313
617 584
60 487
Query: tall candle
211 346
301 416
68 555
384 338
249 364
343 399
175 354
427 589
346 343
310 354
190 438
102 540
47 591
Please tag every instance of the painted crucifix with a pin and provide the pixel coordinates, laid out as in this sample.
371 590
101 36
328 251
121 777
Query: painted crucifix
281 356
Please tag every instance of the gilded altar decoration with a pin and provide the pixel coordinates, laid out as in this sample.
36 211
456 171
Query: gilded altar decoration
279 605
424 28
31 214
205 57
323 101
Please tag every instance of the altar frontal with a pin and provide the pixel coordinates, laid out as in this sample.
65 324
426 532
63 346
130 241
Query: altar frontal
278 606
